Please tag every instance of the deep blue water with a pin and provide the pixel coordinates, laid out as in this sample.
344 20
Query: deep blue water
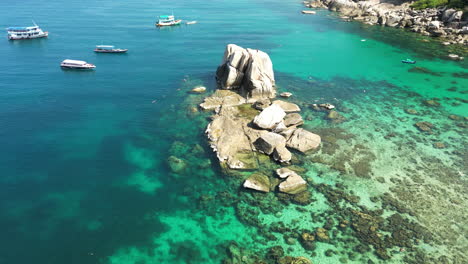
72 141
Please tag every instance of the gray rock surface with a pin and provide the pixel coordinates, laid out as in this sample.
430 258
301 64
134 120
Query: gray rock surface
248 71
284 172
258 182
222 97
303 140
293 119
287 106
267 142
293 184
269 117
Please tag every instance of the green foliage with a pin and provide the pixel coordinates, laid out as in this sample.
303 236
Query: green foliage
421 4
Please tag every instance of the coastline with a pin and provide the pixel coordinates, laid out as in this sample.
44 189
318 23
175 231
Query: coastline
445 23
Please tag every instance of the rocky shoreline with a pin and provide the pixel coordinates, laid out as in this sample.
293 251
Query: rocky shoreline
447 23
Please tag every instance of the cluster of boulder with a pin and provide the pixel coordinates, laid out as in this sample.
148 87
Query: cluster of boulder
248 122
438 22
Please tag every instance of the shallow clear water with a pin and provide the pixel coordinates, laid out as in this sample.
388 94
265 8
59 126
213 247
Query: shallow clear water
84 173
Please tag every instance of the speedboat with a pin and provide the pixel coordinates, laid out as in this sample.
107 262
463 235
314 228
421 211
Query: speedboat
167 20
108 49
77 64
35 31
409 61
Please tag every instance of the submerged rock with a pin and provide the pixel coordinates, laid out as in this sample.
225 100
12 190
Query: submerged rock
424 126
287 106
431 103
411 111
198 89
175 164
269 117
258 181
335 117
248 71
303 140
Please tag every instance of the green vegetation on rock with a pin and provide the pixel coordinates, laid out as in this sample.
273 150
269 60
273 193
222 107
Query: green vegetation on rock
421 4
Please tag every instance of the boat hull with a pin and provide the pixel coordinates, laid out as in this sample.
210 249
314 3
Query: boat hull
111 51
45 35
91 67
175 23
409 62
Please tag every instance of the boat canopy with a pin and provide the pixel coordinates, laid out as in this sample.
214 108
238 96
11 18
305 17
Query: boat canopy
74 62
166 17
20 28
104 46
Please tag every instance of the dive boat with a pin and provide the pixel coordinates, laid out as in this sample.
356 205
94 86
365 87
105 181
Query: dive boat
167 20
35 31
108 49
76 64
409 61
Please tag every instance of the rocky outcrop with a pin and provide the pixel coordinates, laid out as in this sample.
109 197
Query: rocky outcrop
238 131
293 119
268 142
287 107
269 117
222 97
231 138
258 182
293 184
248 71
303 140
437 22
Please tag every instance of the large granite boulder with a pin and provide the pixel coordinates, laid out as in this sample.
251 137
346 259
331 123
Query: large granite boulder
293 119
293 184
269 117
303 140
231 138
287 106
282 154
247 70
222 97
267 142
258 182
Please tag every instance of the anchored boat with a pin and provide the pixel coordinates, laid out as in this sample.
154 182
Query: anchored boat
409 61
167 20
35 31
108 49
77 64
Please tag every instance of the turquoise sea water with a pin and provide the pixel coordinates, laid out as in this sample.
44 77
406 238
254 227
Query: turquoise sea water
84 172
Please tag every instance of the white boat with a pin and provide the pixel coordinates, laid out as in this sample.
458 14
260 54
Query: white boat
167 20
310 12
77 64
26 32
108 49
191 22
